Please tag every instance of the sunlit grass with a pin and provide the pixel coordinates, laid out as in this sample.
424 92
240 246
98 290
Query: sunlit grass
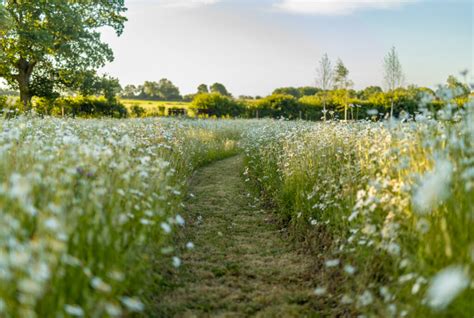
158 108
393 201
81 201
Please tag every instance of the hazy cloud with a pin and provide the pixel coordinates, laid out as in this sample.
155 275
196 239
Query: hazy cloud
186 3
337 7
175 3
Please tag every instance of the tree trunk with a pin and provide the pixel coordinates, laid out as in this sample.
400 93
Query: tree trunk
25 69
25 97
391 108
324 108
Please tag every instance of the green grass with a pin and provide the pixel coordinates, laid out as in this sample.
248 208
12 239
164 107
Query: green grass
82 203
241 264
158 107
394 201
383 212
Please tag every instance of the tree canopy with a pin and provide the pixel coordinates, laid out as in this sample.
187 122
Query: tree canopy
162 90
48 45
202 89
220 89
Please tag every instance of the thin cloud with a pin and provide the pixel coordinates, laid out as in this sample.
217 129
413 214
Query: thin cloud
186 3
337 7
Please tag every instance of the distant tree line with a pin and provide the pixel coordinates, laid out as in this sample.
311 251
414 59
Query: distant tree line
165 90
86 94
334 97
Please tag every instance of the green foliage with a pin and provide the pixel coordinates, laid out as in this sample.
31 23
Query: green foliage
297 92
188 98
202 89
164 90
130 91
219 89
86 107
308 91
137 111
293 91
168 91
48 43
341 76
218 105
368 92
91 84
279 105
4 21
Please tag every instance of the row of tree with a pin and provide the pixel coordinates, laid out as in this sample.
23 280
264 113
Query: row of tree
165 90
338 103
337 78
53 48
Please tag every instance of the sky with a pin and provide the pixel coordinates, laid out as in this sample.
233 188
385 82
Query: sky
253 47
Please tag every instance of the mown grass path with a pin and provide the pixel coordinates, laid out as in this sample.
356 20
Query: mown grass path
241 265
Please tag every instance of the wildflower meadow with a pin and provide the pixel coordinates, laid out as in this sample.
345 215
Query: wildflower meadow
389 206
228 158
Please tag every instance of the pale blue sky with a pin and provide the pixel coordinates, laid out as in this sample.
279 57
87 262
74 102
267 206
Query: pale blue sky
255 46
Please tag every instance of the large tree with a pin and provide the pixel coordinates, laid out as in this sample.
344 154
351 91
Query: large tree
202 89
49 44
220 89
393 75
151 90
168 91
325 79
293 91
130 91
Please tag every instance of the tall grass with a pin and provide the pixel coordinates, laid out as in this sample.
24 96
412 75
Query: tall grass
80 202
389 206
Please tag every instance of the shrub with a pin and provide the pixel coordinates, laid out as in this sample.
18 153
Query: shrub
137 111
279 105
88 107
218 105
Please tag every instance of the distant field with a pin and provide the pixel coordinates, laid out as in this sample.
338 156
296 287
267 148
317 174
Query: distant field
158 107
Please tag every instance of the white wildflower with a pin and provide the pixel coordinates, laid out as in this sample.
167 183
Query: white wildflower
365 299
180 220
98 284
166 227
423 226
445 286
74 310
332 263
176 262
345 299
320 291
113 310
52 224
434 187
393 249
349 269
132 304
